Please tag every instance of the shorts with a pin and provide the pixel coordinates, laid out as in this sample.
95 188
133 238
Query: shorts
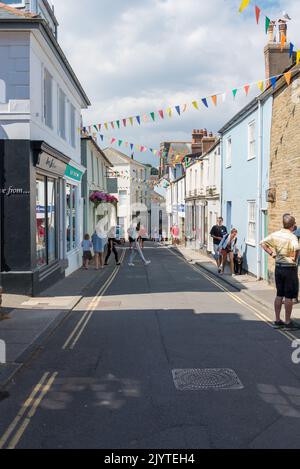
87 256
287 282
217 252
131 240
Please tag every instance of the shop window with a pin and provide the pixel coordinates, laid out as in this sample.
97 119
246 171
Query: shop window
46 239
71 219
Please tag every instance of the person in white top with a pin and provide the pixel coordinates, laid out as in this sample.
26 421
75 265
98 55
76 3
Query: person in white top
135 235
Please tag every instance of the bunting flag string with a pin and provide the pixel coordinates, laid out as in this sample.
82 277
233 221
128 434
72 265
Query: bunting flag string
209 101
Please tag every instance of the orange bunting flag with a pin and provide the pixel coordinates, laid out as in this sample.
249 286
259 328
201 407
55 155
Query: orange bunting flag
247 89
214 100
288 77
283 41
260 85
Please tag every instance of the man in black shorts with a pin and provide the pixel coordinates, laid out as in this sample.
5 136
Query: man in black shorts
284 247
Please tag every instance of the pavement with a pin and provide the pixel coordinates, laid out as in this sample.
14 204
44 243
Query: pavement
29 321
166 356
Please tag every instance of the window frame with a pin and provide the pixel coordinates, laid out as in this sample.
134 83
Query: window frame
228 161
251 142
45 106
251 221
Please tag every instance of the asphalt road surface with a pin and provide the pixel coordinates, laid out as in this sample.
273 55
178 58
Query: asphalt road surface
162 357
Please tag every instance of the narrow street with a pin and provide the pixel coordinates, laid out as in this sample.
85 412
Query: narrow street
111 375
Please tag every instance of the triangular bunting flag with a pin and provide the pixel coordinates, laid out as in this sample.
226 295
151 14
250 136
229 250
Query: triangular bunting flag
113 140
195 104
273 82
298 57
224 96
112 124
185 108
234 92
118 124
291 49
244 5
247 89
131 146
120 142
96 127
260 85
125 122
257 13
169 111
283 41
161 113
152 114
268 22
214 100
178 110
99 127
288 77
138 118
106 125
102 137
204 101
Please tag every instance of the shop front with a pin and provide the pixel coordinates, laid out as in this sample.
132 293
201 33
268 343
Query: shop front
32 258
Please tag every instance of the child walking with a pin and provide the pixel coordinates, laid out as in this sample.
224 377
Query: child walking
87 247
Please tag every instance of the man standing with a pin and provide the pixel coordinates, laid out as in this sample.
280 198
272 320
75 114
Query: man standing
217 233
284 247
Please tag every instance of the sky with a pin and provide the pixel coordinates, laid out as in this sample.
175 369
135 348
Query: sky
138 56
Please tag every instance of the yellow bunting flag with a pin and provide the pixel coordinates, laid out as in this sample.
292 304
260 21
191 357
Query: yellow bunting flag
214 100
288 77
260 85
106 125
169 111
298 57
244 5
195 104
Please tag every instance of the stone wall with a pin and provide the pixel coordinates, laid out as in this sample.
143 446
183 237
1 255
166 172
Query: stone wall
285 158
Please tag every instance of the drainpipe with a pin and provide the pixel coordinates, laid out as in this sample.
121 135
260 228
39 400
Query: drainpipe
259 189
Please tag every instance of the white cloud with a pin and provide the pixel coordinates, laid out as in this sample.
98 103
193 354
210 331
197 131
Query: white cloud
134 57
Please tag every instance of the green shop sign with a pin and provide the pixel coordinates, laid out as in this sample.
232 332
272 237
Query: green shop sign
73 173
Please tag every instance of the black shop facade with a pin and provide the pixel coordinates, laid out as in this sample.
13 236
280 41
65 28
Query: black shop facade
32 216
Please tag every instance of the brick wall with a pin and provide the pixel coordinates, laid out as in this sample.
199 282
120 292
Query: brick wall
285 159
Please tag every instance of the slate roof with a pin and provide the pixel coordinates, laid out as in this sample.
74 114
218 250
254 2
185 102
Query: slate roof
7 12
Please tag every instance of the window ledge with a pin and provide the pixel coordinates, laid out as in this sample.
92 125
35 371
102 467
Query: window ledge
251 158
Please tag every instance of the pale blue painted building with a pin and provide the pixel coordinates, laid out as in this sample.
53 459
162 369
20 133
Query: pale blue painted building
245 178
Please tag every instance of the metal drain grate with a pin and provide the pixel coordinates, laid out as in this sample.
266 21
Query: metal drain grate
206 379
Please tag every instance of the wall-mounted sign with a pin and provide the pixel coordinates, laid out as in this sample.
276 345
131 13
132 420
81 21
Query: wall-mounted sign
50 164
73 173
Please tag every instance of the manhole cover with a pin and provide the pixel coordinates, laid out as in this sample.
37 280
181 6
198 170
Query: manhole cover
215 379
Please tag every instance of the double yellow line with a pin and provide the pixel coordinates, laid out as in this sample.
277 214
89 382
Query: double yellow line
259 314
82 324
16 429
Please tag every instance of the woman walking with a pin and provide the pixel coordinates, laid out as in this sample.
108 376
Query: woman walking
111 246
137 247
228 247
99 240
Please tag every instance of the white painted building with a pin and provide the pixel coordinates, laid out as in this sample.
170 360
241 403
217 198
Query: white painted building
159 217
40 114
128 179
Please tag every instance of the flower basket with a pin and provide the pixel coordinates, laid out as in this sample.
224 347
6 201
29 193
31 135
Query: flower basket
98 198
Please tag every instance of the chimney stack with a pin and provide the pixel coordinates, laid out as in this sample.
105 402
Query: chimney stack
277 59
